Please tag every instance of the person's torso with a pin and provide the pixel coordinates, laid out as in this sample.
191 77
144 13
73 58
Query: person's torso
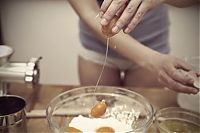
152 31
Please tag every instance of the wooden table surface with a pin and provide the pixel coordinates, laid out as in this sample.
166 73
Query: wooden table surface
40 97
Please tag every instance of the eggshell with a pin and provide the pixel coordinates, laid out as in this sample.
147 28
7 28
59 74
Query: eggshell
107 30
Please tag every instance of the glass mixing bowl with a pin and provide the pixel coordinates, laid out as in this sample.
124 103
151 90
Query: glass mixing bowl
124 105
177 120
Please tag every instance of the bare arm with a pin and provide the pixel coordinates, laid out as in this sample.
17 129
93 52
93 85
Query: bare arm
126 45
131 12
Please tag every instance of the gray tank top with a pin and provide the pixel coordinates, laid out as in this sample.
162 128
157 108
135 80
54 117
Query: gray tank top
152 32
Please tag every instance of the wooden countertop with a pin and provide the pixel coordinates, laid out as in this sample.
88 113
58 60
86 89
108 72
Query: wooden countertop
40 97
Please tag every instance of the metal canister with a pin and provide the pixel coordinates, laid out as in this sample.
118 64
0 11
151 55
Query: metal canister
12 114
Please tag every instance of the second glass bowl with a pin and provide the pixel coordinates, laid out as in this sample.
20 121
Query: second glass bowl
177 120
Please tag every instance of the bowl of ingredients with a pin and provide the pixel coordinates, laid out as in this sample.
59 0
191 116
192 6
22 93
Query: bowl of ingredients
177 120
99 109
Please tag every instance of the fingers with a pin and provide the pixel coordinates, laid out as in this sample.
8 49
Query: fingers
131 13
112 10
183 65
178 75
120 11
127 15
171 84
137 17
104 6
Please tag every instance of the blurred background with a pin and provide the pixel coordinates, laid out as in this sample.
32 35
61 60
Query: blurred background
49 28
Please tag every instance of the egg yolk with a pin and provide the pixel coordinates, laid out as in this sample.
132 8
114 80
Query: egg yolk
99 109
72 130
105 130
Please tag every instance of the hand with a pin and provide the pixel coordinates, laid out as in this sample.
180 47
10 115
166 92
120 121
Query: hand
168 70
130 12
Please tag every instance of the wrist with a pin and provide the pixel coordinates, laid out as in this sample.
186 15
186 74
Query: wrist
151 61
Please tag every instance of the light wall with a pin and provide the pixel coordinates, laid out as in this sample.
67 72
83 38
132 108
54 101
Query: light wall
49 29
184 31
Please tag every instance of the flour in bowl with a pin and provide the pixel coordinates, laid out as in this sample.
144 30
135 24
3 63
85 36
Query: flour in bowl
91 125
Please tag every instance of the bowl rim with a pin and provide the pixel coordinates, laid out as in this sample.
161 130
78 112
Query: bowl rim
17 98
177 109
146 124
9 51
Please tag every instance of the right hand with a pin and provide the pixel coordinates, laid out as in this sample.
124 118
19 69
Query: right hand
167 69
130 12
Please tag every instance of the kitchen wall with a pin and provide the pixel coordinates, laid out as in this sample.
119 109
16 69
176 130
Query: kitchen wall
49 28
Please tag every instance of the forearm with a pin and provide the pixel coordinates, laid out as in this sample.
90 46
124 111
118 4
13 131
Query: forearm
125 44
182 3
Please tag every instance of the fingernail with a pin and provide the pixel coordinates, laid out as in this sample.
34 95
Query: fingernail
104 21
115 29
127 30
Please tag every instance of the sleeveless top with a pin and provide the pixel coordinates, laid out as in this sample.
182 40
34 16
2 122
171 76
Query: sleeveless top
152 31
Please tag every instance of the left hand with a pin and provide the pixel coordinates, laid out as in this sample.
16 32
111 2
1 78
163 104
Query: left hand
130 12
172 73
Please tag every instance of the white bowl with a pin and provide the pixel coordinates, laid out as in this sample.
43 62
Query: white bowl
189 102
5 52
